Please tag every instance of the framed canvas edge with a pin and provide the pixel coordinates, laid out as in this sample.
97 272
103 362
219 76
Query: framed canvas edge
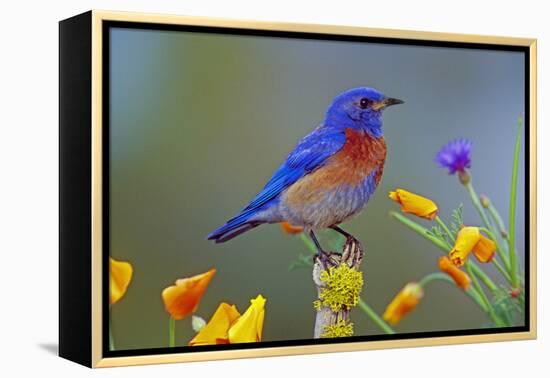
99 16
309 349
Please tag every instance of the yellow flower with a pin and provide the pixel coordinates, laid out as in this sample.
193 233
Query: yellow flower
470 239
250 325
404 302
120 275
466 239
485 249
290 229
414 204
461 279
183 298
227 326
215 331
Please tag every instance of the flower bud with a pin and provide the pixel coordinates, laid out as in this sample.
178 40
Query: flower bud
485 201
459 277
403 303
464 177
415 204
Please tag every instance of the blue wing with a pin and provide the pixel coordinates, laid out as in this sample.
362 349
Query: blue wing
310 154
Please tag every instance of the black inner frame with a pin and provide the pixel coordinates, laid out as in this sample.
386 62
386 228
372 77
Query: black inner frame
106 27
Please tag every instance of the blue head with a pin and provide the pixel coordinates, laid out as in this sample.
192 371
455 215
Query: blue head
359 108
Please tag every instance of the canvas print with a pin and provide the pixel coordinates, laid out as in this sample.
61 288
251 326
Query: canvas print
270 190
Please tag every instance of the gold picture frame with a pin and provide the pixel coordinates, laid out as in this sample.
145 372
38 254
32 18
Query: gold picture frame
87 32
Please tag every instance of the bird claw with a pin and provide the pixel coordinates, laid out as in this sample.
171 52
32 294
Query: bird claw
352 252
327 259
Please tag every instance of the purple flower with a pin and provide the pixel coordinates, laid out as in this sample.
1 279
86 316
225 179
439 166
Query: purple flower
455 156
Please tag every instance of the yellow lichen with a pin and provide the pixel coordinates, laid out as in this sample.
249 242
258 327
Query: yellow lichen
340 329
317 305
341 290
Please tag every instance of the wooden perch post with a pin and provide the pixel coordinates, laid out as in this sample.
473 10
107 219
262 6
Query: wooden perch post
351 256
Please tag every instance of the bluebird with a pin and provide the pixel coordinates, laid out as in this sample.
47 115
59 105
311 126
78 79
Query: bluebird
329 176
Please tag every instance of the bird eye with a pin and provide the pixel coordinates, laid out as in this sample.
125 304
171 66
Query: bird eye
364 103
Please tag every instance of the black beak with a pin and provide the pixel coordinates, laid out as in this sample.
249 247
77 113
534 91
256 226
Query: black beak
388 101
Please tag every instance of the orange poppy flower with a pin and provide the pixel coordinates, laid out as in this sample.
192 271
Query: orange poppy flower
403 303
461 279
183 298
466 239
120 275
470 239
485 249
414 204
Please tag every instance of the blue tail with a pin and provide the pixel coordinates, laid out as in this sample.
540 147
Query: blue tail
234 227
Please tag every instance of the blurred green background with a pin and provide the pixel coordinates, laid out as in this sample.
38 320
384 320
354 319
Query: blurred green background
199 122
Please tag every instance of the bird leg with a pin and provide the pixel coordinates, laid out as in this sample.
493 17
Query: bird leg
342 231
325 257
350 240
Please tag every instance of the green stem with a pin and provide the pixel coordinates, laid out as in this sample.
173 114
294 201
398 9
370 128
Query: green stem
375 317
172 332
111 338
434 277
482 275
422 231
512 210
486 280
495 262
488 232
445 228
498 220
472 293
502 270
477 204
490 311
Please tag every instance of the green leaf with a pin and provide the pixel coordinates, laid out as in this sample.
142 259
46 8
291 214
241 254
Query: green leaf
458 219
507 307
437 232
420 230
302 261
512 209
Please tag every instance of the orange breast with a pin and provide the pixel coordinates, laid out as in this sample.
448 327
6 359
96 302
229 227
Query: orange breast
360 155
